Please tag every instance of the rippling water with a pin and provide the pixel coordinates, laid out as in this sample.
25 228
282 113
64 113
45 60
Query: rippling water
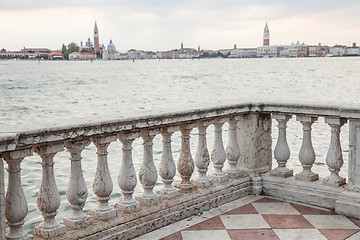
34 94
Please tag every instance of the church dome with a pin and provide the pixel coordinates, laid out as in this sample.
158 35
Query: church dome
111 47
89 43
103 47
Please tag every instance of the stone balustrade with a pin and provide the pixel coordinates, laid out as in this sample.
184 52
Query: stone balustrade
242 165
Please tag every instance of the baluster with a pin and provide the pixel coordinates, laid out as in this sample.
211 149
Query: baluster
281 151
232 150
185 164
127 176
77 192
307 154
202 158
334 158
16 207
103 185
167 169
148 173
48 200
218 155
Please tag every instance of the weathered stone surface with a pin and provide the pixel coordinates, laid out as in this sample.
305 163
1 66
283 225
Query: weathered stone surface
16 207
48 200
348 204
291 189
354 156
167 169
282 151
2 200
334 158
232 150
168 211
76 192
254 138
307 154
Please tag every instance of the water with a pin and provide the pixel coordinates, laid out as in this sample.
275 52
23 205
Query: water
34 94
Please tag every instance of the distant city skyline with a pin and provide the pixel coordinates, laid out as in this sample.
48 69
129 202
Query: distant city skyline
163 25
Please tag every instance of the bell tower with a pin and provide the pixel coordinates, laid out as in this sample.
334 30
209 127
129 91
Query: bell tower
266 39
96 41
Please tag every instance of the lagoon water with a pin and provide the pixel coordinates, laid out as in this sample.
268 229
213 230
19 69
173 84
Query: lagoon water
36 94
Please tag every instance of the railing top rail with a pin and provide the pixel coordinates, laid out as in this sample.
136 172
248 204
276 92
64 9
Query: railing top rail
10 141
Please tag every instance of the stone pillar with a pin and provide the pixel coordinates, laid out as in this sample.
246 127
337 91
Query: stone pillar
232 149
48 200
148 173
348 202
218 155
254 138
202 158
15 201
2 200
127 176
185 164
334 158
77 191
167 169
307 154
103 185
282 150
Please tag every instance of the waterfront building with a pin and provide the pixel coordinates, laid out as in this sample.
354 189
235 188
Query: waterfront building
352 51
55 55
111 53
82 56
269 51
337 50
266 37
243 53
318 51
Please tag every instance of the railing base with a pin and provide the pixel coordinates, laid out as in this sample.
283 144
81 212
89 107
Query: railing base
128 226
291 189
348 204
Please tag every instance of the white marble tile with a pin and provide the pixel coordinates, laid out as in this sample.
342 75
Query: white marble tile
172 228
275 208
299 234
354 237
205 235
330 222
244 221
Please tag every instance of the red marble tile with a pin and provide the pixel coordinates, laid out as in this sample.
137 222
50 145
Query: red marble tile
355 220
262 234
338 234
304 210
214 223
246 209
174 236
266 199
287 221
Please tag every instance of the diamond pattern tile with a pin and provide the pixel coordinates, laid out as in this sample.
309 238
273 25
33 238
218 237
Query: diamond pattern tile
264 219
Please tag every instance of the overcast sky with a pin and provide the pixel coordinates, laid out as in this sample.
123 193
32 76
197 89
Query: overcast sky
164 24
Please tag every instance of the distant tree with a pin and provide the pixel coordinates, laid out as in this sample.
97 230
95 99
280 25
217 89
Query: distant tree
63 49
3 50
72 47
66 55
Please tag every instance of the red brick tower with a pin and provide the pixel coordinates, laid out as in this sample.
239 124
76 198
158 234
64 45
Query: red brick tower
266 41
96 41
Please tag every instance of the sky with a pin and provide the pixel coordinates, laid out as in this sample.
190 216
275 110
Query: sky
164 24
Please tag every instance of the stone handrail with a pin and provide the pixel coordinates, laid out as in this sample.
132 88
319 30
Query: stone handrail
248 153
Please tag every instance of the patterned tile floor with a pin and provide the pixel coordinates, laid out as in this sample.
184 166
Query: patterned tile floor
261 218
